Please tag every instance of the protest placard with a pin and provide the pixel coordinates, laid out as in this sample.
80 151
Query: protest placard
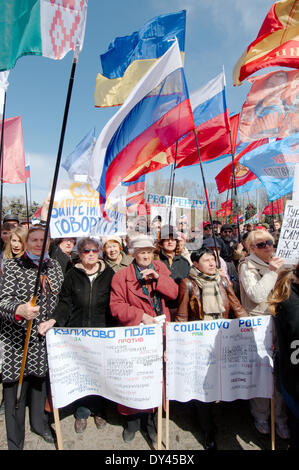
122 364
182 202
295 195
76 213
221 360
288 244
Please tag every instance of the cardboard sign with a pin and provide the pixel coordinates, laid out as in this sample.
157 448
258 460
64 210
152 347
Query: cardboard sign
288 244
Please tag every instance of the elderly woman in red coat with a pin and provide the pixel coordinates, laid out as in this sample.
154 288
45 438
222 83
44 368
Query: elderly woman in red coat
138 294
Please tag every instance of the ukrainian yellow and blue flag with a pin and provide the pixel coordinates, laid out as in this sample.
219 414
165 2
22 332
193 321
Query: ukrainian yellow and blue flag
129 58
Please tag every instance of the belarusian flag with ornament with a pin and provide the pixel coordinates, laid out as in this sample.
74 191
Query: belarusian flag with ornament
49 28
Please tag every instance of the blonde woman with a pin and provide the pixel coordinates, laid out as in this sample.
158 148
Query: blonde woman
284 306
16 243
258 274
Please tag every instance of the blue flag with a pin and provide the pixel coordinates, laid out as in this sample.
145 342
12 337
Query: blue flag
249 186
274 165
77 162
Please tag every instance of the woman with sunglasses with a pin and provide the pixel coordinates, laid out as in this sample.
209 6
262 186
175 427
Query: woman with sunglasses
258 274
84 302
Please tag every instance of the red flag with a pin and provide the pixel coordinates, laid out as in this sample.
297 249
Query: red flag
14 171
212 126
224 179
226 204
270 108
234 126
276 43
277 207
221 213
138 186
135 201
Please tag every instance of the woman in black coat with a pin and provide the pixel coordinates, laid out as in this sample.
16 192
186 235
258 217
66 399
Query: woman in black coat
84 302
168 252
17 287
284 304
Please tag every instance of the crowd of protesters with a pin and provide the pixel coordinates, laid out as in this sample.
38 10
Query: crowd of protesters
180 272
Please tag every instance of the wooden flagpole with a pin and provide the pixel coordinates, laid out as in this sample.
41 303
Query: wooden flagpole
54 184
57 428
272 424
159 428
167 425
207 199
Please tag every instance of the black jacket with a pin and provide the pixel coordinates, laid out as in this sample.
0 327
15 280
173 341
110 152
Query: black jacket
287 329
82 303
179 269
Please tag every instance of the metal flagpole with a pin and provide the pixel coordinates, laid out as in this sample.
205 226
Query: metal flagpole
171 188
207 199
54 184
235 198
2 159
27 208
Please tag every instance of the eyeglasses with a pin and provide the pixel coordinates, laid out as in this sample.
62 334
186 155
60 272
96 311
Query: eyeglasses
88 250
227 231
261 245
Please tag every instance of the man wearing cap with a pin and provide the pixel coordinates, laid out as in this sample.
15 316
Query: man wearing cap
113 253
12 220
138 295
226 234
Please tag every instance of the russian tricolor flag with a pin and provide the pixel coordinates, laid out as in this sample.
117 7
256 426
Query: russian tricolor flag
156 114
27 170
212 125
135 186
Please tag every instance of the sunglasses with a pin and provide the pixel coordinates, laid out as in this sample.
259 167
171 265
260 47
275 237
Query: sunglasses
261 245
87 251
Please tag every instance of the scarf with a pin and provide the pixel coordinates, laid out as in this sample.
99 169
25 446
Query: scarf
35 258
155 300
210 288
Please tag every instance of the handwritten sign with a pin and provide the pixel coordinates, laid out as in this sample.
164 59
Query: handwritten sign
219 360
288 244
121 364
76 213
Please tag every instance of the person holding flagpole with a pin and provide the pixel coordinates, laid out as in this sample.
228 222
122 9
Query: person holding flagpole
16 310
